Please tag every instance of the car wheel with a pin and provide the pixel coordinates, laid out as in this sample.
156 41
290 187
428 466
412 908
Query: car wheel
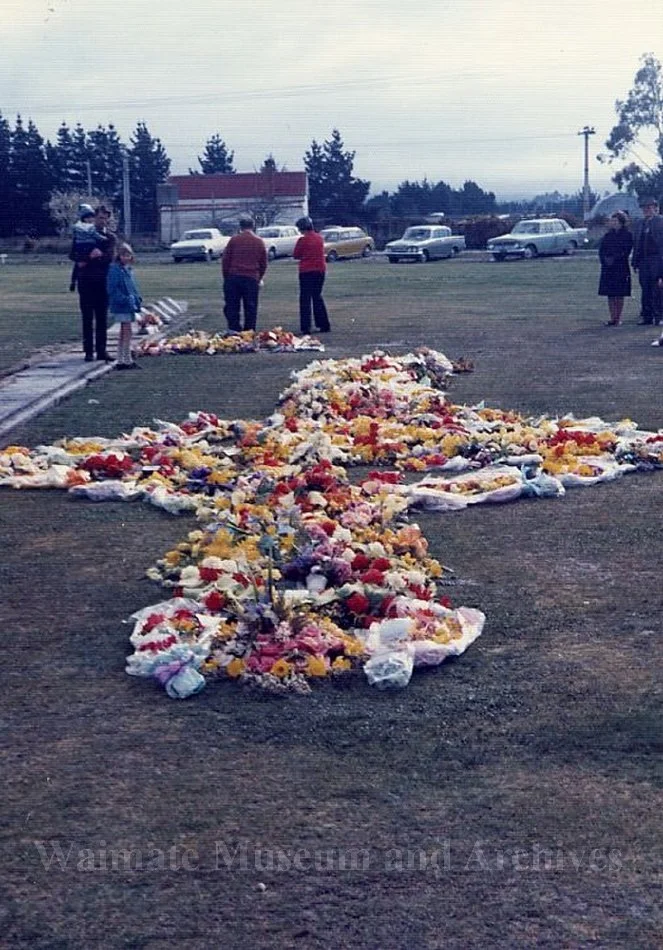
271 253
178 260
572 248
530 252
455 251
393 260
425 257
332 256
499 257
366 252
209 256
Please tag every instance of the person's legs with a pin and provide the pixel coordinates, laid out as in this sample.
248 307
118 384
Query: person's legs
101 318
124 358
646 284
320 314
618 303
305 301
232 298
86 303
250 290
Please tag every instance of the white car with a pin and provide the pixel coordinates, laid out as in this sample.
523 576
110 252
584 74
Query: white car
536 237
206 244
424 242
279 240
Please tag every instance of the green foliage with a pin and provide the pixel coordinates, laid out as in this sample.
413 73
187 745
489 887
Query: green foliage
216 159
31 180
334 193
413 199
149 167
641 112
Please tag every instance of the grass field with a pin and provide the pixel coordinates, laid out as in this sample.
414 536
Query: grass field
509 799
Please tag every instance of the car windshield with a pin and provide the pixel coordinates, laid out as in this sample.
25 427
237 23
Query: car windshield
196 236
329 235
267 232
527 227
416 234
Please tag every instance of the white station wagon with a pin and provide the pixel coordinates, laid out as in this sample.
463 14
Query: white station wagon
280 239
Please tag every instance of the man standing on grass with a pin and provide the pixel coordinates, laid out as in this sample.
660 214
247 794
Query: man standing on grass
244 263
648 260
91 272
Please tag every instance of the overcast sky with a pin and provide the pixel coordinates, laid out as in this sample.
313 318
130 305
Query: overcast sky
491 90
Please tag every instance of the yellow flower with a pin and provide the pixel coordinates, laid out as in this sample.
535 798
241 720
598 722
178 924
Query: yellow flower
316 666
281 668
235 668
341 663
172 558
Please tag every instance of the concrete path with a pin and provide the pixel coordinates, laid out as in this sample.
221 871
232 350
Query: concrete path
47 380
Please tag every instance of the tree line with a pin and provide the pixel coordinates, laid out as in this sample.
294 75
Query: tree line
37 175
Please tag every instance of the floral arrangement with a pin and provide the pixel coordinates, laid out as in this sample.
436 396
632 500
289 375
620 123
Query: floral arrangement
277 340
295 574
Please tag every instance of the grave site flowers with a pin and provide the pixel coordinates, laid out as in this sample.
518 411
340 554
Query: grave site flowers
277 340
295 575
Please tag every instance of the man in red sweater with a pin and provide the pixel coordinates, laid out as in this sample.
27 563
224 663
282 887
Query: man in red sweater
310 252
244 263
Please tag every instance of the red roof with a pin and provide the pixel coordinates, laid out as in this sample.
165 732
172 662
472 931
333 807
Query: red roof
244 185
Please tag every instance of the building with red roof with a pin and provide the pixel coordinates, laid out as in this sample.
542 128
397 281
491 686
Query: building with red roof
217 201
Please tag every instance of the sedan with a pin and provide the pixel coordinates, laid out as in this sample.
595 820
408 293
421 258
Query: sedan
424 243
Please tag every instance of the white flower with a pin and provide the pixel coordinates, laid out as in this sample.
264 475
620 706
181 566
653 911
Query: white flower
190 577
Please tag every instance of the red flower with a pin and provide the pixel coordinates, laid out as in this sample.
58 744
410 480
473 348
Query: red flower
446 602
372 576
358 603
215 601
360 562
328 527
208 574
381 564
153 621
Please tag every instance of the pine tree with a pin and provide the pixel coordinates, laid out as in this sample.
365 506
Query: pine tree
334 192
69 157
149 166
6 183
32 179
105 151
216 160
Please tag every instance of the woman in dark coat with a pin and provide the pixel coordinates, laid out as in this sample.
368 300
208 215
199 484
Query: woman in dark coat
615 281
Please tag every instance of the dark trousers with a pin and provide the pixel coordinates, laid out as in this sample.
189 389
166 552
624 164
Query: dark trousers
310 298
240 291
93 299
652 302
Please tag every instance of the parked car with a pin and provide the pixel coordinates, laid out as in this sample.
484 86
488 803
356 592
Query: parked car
536 237
424 242
346 242
279 240
203 245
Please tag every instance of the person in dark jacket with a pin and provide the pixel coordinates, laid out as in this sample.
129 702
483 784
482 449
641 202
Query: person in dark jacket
615 281
648 260
91 271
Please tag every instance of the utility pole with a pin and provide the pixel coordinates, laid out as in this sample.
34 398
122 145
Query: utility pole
89 179
126 196
587 131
